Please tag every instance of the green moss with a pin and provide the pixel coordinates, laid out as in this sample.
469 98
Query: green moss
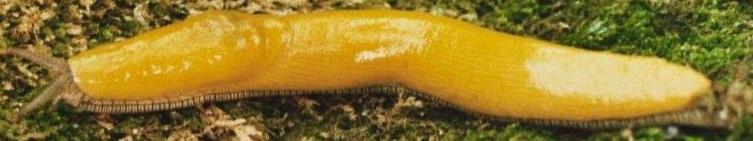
3 43
743 130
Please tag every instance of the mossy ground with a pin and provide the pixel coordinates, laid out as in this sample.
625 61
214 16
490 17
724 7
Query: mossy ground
711 36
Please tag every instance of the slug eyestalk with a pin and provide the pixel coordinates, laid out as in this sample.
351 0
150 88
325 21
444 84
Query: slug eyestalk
58 70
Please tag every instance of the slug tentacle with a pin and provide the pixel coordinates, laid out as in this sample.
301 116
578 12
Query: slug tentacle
57 69
47 95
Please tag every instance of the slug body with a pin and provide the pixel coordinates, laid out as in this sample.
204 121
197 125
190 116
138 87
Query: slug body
472 68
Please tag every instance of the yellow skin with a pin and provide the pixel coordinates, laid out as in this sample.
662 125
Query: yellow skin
477 69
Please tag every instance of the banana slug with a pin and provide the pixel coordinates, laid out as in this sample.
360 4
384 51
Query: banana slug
225 55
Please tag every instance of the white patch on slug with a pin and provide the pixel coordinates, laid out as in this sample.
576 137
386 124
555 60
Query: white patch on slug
409 36
256 39
186 65
218 57
156 69
127 76
368 55
241 43
215 59
169 69
610 78
273 24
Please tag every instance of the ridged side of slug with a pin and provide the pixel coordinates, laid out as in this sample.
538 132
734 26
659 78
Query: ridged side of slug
80 100
476 69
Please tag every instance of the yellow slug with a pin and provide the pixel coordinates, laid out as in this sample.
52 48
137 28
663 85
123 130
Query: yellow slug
223 55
